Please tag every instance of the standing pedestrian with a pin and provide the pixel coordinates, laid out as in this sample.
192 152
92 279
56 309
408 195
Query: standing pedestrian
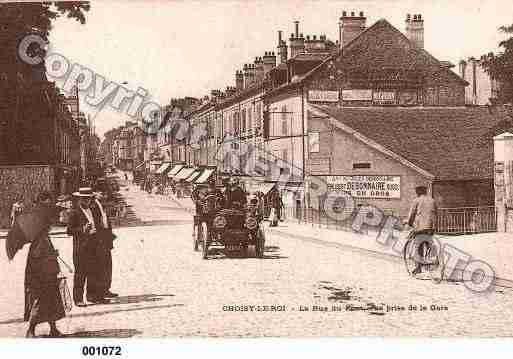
104 253
43 301
84 224
276 207
17 209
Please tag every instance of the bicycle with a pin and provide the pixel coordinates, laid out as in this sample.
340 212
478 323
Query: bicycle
423 249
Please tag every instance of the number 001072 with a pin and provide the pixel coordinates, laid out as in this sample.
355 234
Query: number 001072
101 350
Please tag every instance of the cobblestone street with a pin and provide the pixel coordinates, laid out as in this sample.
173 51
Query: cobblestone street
167 289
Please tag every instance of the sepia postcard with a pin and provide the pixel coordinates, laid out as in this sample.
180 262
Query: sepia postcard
251 169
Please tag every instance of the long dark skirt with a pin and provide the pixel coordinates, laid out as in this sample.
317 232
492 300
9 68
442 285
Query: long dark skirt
43 301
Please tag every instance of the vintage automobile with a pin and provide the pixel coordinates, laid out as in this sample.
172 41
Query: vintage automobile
236 229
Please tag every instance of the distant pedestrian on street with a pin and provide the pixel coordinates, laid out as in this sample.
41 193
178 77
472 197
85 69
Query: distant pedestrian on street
17 208
43 301
276 207
126 177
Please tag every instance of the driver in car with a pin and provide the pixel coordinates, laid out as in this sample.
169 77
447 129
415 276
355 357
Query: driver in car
235 195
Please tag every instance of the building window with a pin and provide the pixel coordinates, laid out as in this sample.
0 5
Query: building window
361 165
313 142
285 161
250 120
236 123
284 127
243 120
258 115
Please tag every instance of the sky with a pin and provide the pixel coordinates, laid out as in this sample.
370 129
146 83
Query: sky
187 48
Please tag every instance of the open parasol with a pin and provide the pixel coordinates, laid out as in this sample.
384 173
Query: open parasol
26 229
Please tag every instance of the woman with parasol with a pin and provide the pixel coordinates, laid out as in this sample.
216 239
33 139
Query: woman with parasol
43 301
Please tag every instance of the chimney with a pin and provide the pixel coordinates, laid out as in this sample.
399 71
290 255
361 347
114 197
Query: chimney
350 26
252 74
315 44
249 75
282 49
463 68
415 30
216 95
297 42
269 60
259 69
230 91
239 80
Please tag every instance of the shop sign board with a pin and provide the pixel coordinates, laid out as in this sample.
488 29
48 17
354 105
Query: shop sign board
322 96
357 95
384 187
383 97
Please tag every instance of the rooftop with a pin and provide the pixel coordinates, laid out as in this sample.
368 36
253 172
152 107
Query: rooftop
451 143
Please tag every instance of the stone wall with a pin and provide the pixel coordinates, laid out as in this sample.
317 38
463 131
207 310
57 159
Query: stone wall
27 181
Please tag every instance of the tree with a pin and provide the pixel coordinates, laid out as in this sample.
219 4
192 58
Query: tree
18 20
38 16
500 66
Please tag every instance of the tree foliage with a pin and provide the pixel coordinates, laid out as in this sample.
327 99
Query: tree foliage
21 18
500 66
18 20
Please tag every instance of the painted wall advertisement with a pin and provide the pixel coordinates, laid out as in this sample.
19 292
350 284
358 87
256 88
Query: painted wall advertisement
387 187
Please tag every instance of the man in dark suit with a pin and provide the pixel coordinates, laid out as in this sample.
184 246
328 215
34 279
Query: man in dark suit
104 252
88 227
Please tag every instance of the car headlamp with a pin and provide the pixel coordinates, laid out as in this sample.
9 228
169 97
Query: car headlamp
251 223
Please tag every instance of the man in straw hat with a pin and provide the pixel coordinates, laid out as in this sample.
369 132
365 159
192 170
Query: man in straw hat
84 225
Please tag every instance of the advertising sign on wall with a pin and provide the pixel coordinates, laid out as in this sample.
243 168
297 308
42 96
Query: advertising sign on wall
322 96
383 97
357 95
366 186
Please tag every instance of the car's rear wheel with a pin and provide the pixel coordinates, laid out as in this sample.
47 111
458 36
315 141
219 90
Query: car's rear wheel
204 239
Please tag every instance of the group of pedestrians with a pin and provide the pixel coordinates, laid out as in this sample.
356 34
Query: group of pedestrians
45 286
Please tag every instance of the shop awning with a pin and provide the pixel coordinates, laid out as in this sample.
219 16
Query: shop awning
175 170
204 176
194 175
184 173
141 165
262 187
163 168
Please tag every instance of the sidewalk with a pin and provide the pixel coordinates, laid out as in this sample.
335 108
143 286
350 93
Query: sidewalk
496 249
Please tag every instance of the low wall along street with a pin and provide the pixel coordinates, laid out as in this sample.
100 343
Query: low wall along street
27 181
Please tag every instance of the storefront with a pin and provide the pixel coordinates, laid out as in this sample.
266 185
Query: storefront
140 170
183 187
205 176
